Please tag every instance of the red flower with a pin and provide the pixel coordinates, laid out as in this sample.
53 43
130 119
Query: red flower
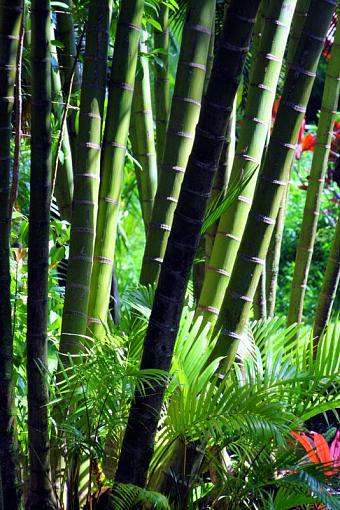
308 143
318 450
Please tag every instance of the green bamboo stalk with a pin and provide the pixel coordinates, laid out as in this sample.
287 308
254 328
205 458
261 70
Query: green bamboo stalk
64 181
113 157
40 490
10 19
300 15
329 286
273 180
248 155
274 251
86 177
67 58
273 256
142 136
185 109
162 90
139 436
305 246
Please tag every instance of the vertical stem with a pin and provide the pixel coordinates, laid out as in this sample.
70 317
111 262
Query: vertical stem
142 136
10 19
86 177
64 178
40 492
162 91
316 180
300 14
273 256
329 286
185 109
113 157
67 58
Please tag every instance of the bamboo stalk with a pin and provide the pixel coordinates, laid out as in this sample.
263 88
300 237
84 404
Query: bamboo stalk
316 181
139 436
273 181
142 136
329 286
113 157
185 109
40 490
67 58
86 178
10 19
300 15
248 155
162 90
64 179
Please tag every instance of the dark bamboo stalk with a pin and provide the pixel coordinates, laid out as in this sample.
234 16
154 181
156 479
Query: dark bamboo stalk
40 495
184 238
10 19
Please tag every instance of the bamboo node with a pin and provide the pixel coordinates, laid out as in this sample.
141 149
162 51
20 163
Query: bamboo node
137 28
209 135
244 18
302 70
246 157
276 22
195 65
182 134
103 260
187 100
178 169
83 230
237 295
207 308
220 271
93 320
158 260
161 226
109 200
199 28
88 175
263 219
232 334
313 36
296 107
122 85
90 145
286 145
75 313
224 109
227 234
272 180
246 200
270 56
256 120
250 258
196 193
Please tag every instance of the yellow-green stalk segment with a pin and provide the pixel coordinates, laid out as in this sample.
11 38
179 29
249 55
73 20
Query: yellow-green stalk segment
329 286
316 179
142 135
40 494
86 177
185 109
10 19
249 150
113 157
274 251
65 33
273 181
162 89
64 182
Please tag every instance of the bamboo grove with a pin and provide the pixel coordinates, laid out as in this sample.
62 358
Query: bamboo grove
169 377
